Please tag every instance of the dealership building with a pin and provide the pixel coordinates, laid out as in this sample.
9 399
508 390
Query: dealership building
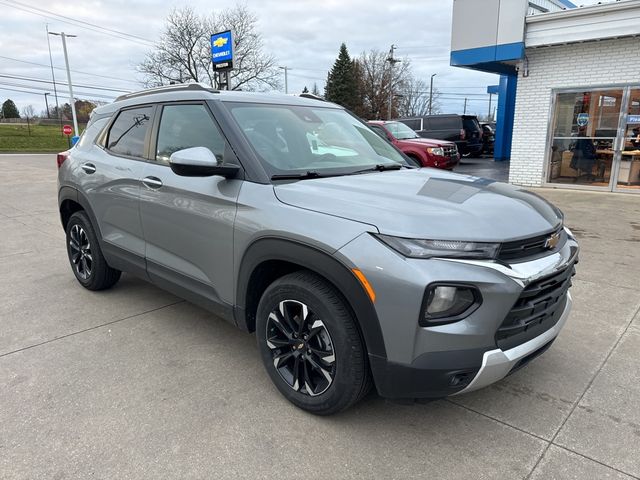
569 94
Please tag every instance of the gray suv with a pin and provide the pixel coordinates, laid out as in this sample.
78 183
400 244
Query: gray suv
289 217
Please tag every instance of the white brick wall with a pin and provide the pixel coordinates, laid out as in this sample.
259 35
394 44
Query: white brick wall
591 64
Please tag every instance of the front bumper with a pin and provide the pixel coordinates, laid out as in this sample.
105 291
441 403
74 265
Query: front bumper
443 360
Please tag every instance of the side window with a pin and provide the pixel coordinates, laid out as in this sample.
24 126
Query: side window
186 126
128 132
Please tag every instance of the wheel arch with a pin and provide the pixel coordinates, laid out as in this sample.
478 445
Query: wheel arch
268 259
70 201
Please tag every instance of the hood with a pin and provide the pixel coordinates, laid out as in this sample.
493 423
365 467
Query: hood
427 203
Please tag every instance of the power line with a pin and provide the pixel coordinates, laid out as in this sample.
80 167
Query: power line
74 71
40 80
78 23
46 89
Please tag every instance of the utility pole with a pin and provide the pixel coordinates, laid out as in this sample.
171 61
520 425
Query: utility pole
431 92
53 78
71 98
47 104
286 83
465 106
392 61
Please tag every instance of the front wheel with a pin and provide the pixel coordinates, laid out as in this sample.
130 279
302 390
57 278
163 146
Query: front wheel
310 344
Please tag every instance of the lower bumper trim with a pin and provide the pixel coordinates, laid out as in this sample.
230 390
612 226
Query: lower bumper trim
496 364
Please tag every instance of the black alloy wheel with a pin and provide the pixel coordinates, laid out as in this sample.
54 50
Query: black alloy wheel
85 256
311 345
80 251
301 348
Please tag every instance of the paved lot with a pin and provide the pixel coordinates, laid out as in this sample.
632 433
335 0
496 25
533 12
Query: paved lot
135 383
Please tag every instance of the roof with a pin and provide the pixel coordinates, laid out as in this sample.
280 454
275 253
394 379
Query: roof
196 91
595 22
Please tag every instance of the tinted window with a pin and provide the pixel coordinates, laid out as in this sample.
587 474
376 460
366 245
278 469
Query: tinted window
186 126
444 123
128 132
470 123
413 123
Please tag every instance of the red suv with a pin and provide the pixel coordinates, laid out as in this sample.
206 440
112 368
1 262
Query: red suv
426 151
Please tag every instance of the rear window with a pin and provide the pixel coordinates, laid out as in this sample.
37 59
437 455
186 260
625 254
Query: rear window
443 123
470 123
128 133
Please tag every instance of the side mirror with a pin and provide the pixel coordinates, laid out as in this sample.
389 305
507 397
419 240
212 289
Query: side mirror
200 162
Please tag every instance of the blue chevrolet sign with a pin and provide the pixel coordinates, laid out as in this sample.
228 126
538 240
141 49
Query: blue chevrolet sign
222 50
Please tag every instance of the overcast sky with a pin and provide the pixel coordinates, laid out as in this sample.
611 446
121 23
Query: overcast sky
303 35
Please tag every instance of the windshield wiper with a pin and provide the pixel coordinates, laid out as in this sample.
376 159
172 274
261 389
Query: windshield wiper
381 167
297 176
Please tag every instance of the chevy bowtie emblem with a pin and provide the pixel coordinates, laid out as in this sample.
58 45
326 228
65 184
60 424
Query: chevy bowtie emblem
552 241
220 41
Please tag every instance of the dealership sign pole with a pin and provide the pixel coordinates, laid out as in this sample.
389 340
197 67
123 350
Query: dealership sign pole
222 57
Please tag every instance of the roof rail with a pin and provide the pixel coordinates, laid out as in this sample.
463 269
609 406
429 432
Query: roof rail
167 88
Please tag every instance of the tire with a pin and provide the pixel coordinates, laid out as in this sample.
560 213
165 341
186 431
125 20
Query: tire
85 257
333 344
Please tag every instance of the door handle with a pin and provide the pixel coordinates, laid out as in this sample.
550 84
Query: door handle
88 168
152 182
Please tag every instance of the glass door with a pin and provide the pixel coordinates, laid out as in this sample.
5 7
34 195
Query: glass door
585 129
628 152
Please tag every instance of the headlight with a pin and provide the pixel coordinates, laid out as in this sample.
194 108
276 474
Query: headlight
415 248
448 303
436 151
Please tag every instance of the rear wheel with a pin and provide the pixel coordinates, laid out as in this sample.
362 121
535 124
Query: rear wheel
310 344
86 259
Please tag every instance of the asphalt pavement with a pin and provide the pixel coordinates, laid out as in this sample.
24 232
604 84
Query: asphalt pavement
134 383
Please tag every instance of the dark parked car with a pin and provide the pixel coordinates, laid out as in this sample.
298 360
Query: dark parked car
425 151
464 130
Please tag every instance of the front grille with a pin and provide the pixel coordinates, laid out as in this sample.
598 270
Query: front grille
538 308
450 151
528 247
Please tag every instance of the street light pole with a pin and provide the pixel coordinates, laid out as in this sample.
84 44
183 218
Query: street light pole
392 61
431 92
53 78
47 104
286 84
71 98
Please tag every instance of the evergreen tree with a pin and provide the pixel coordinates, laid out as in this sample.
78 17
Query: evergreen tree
305 89
9 110
341 87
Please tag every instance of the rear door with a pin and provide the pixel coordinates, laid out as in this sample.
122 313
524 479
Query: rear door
110 178
188 221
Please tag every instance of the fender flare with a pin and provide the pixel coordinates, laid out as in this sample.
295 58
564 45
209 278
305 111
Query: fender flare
322 263
70 193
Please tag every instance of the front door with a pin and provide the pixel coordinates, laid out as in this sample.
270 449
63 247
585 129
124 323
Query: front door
188 221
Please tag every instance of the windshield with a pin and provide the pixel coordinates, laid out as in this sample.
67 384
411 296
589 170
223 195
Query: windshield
296 139
400 131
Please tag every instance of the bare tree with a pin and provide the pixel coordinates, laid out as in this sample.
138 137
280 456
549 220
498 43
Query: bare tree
184 51
377 79
414 101
28 112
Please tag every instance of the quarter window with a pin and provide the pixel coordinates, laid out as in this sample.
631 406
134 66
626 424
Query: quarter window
127 134
186 126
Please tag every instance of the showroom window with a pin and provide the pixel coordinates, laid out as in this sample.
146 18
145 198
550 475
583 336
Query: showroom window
592 139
